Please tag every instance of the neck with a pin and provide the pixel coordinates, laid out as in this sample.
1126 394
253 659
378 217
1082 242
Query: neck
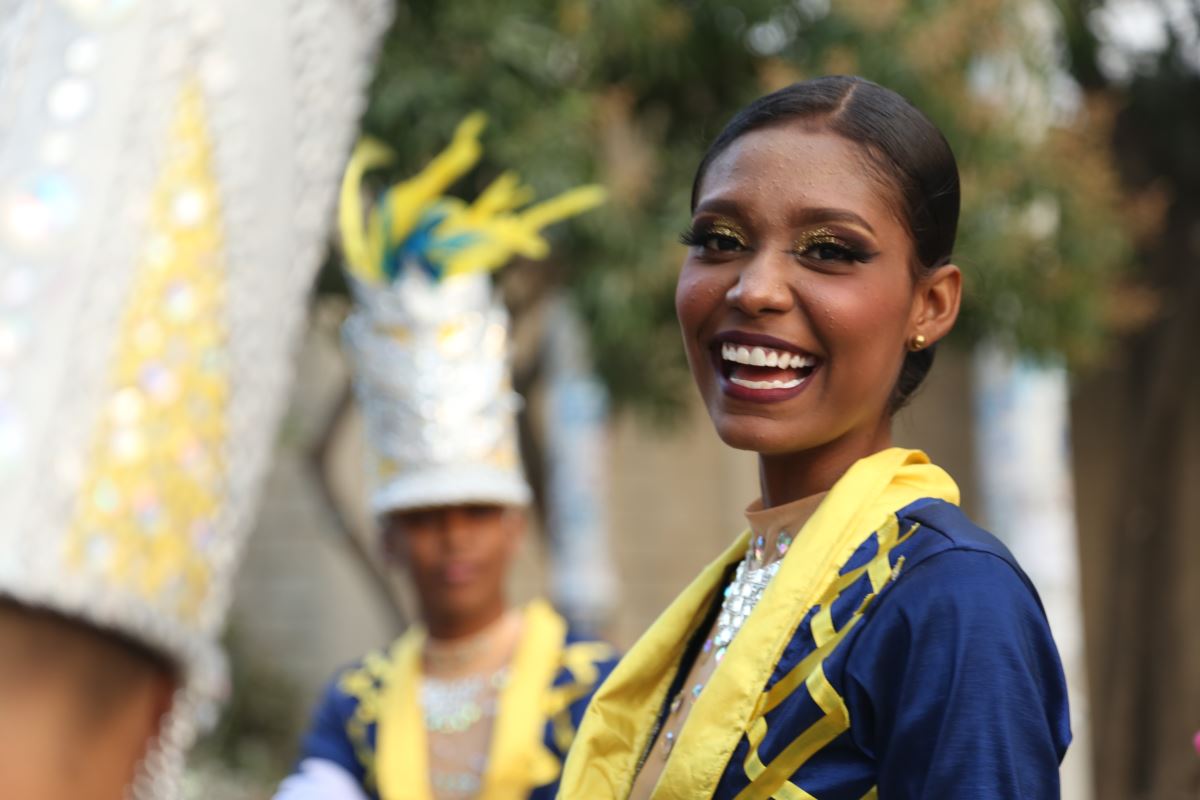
449 628
785 477
488 648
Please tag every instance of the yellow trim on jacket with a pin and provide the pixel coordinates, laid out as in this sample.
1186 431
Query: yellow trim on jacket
518 760
617 726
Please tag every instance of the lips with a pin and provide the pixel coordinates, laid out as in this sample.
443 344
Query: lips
459 573
761 368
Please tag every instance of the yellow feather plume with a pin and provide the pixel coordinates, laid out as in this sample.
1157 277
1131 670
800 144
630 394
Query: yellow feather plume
477 237
407 200
357 244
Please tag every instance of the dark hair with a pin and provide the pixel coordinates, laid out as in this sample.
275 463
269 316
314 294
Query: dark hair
909 153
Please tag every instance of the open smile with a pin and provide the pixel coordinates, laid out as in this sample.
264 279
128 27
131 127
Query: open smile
761 368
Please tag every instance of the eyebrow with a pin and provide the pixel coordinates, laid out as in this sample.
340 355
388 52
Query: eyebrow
718 205
808 216
805 216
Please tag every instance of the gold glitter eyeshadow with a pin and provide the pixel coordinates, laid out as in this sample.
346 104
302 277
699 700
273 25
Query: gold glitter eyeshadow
727 229
817 236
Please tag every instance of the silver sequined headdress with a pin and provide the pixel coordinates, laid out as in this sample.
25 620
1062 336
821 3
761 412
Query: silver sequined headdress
428 336
167 170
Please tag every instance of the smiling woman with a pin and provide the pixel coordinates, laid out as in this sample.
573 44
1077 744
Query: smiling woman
862 638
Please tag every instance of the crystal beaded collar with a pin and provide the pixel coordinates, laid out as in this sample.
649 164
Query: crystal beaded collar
746 589
741 596
453 706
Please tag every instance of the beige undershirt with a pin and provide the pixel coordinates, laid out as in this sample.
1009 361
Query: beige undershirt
765 522
457 753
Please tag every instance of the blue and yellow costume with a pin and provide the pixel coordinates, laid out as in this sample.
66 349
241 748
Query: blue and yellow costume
899 653
429 342
369 721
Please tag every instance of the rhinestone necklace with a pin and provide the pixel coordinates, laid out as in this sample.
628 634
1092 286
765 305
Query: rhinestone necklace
459 715
453 706
741 596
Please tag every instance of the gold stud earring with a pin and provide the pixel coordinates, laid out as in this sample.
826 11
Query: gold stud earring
917 343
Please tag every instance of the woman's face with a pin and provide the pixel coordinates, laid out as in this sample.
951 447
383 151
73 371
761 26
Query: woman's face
459 557
797 299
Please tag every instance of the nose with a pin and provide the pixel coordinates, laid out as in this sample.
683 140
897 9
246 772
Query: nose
456 531
762 286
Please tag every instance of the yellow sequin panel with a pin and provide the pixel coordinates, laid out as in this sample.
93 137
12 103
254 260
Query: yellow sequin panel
155 478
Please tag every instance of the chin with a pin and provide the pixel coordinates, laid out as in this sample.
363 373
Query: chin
762 436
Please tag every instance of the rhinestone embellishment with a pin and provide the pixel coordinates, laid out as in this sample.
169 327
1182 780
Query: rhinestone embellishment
743 594
739 599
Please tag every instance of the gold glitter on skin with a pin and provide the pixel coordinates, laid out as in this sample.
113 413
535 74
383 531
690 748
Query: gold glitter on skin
726 228
815 237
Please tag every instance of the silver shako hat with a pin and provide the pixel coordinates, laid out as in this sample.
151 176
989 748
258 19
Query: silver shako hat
428 336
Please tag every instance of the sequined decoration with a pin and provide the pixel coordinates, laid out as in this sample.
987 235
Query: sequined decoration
453 706
459 715
741 596
152 491
743 593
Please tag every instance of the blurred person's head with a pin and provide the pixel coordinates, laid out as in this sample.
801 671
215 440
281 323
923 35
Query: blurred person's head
79 707
458 557
428 340
818 278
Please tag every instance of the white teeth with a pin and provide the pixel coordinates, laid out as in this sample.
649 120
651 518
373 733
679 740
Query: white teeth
765 357
768 384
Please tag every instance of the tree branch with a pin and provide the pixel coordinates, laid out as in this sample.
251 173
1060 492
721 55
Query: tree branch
318 457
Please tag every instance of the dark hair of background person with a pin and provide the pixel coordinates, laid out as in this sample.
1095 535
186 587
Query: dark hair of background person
103 666
907 152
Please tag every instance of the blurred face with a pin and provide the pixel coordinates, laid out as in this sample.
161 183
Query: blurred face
797 299
459 557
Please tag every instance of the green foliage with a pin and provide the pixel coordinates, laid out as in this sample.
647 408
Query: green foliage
259 728
629 93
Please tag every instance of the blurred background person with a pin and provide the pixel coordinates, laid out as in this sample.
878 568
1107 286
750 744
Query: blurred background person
480 699
164 168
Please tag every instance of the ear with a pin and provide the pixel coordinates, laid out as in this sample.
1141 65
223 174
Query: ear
936 301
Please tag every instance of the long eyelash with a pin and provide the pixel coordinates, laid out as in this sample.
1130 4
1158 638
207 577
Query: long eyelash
699 234
851 253
827 237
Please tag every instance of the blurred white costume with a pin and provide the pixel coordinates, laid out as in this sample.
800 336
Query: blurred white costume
167 170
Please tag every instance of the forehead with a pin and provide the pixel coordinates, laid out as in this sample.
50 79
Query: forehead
790 166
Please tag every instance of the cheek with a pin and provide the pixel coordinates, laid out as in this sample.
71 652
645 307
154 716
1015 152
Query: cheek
502 546
699 295
420 553
863 326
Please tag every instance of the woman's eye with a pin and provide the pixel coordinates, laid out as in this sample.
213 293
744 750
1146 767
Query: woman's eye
828 251
721 243
831 251
717 239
